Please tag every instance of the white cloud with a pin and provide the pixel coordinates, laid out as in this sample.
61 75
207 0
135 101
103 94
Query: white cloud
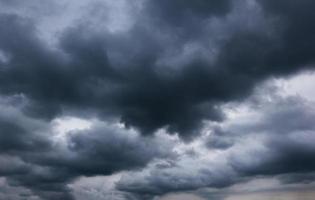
300 85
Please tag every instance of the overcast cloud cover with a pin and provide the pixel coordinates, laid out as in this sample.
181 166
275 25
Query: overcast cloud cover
157 99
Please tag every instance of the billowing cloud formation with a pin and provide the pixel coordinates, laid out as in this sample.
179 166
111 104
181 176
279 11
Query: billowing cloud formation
276 139
145 71
30 156
187 73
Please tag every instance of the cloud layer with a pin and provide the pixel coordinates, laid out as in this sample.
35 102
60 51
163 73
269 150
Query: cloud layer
158 82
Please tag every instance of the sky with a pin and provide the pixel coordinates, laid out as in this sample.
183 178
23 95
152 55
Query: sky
157 100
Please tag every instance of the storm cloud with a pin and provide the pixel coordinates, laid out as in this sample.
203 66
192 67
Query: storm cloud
105 72
274 141
155 81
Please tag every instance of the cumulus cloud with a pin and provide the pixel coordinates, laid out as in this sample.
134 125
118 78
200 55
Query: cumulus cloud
156 81
274 140
105 72
32 158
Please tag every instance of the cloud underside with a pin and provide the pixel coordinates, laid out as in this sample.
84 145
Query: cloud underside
146 72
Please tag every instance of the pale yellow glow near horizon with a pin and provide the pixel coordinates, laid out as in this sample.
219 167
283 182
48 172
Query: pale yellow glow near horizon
287 195
308 194
181 197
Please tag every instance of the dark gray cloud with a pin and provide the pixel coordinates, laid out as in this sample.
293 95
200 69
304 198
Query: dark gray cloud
21 139
105 72
172 68
105 150
31 158
277 141
297 178
219 139
287 132
186 175
183 13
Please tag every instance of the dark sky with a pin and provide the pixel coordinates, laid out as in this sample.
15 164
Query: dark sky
151 99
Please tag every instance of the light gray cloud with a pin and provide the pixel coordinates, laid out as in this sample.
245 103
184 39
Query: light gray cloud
276 140
157 78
